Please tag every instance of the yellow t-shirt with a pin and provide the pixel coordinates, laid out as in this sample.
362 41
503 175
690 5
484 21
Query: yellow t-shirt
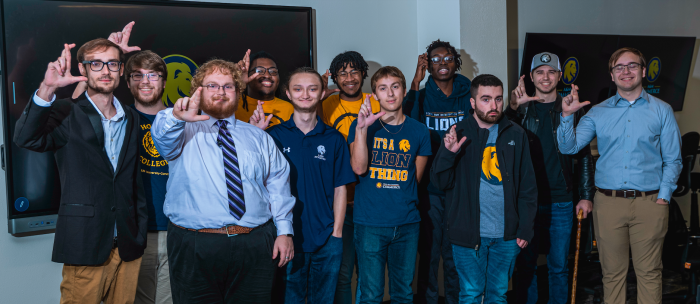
340 114
281 110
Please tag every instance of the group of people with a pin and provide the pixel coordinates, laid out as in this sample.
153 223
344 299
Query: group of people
236 196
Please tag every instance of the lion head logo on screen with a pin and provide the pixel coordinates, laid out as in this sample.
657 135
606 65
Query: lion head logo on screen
654 69
490 171
180 71
570 71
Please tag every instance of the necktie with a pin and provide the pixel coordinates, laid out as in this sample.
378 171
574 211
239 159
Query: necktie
234 185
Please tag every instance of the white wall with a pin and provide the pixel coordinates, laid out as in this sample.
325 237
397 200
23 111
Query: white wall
624 17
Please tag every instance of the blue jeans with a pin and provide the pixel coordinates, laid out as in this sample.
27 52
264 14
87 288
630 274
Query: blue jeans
485 272
381 247
343 293
434 243
314 274
552 235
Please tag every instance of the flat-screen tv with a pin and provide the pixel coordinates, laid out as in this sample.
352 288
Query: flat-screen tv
185 34
584 62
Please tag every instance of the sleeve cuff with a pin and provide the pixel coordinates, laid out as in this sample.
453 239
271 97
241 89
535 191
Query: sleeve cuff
567 119
665 193
284 227
42 103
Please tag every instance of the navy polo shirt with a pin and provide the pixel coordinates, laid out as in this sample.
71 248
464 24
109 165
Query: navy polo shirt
319 161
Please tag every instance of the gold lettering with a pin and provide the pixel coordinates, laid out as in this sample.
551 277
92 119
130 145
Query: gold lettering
384 145
391 145
404 175
373 169
381 173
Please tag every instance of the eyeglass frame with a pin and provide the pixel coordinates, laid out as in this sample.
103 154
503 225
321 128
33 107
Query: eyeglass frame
267 70
347 74
210 87
147 77
442 59
623 66
103 65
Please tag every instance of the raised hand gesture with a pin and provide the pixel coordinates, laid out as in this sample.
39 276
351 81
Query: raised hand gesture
365 117
187 108
570 104
420 71
326 91
518 97
244 65
122 38
58 73
451 142
258 118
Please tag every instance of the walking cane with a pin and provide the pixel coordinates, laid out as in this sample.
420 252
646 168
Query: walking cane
578 246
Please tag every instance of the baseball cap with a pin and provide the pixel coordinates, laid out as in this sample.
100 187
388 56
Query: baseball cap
545 58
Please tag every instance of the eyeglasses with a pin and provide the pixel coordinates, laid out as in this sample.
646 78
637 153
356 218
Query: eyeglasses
150 76
344 74
99 65
632 67
446 59
261 71
212 87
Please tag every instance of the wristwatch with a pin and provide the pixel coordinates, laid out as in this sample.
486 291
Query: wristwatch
666 201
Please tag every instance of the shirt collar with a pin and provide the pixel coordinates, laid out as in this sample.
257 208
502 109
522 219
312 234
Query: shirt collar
318 129
115 102
644 96
212 121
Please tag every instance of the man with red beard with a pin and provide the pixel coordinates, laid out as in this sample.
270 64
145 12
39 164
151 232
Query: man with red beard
228 196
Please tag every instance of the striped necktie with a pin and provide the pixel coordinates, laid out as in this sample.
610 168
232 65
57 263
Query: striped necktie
234 185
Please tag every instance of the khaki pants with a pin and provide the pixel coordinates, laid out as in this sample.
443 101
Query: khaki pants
639 223
154 277
113 282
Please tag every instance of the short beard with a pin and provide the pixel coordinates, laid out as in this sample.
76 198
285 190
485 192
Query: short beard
92 83
358 93
157 96
222 111
485 118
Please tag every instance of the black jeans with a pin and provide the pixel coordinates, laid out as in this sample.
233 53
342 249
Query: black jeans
214 268
432 244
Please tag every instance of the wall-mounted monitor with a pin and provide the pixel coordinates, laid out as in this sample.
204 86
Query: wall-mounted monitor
584 61
185 34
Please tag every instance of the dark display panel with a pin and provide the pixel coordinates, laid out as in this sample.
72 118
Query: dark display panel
584 61
185 34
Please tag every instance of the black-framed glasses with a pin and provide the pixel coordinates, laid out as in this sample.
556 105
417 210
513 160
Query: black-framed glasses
99 65
151 76
446 59
344 74
633 67
212 87
262 70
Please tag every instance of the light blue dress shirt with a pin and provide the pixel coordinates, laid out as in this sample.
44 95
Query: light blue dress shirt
639 143
113 128
196 194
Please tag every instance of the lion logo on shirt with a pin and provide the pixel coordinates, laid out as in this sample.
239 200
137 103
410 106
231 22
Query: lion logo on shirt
490 171
404 145
149 146
321 152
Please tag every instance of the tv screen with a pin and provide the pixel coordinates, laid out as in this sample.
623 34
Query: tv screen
185 34
584 62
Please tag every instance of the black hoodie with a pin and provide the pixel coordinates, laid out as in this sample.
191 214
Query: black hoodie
459 175
438 112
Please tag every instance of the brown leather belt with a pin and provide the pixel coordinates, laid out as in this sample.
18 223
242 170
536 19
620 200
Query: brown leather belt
627 193
230 230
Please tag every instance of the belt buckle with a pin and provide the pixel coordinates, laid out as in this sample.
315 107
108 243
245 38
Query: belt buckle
633 191
227 231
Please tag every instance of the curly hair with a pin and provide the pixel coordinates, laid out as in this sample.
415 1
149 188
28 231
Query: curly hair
350 58
450 49
221 66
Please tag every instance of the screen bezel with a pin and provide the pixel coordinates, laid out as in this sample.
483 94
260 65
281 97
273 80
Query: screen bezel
6 97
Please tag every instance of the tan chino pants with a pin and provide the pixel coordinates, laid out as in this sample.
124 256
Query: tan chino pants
623 223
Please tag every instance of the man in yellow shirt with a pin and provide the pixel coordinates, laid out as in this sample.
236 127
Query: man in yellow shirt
260 93
348 70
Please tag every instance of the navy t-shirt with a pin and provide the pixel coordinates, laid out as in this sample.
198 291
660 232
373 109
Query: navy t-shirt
387 194
154 172
319 161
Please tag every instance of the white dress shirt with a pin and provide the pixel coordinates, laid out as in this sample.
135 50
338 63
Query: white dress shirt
196 193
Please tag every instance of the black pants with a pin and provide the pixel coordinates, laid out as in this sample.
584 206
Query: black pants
214 268
432 244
